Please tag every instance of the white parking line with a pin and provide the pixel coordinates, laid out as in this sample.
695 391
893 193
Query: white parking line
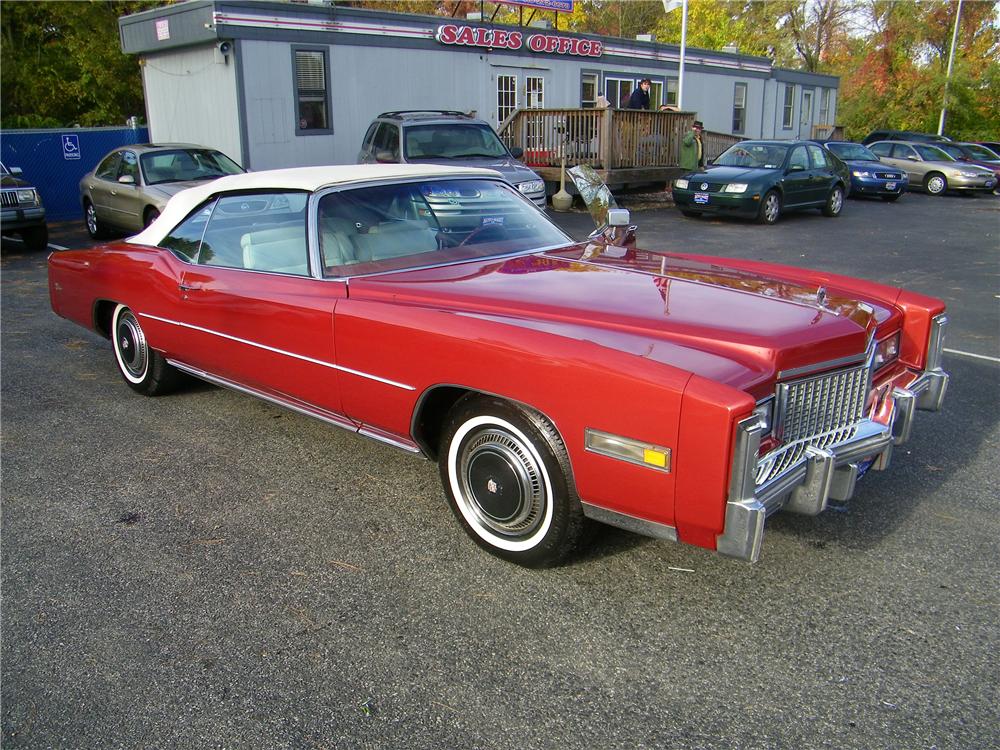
57 247
974 356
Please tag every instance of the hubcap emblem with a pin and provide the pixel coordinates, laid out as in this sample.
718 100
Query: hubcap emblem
492 486
124 343
704 186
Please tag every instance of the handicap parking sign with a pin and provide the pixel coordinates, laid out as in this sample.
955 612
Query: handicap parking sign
71 146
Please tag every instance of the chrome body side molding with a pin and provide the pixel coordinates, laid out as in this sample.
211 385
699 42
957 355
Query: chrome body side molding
630 523
331 418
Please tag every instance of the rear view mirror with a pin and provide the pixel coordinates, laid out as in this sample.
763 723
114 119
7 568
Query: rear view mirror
618 217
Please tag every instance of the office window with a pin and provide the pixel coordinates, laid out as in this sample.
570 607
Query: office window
617 90
588 90
787 111
824 107
739 107
312 98
534 94
671 97
655 94
506 97
534 99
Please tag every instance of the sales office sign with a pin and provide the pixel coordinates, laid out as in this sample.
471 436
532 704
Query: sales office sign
474 36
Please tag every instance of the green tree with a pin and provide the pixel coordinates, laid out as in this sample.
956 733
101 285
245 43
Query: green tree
61 64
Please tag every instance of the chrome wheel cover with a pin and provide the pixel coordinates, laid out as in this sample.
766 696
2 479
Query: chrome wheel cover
935 185
500 484
130 345
91 218
836 201
771 208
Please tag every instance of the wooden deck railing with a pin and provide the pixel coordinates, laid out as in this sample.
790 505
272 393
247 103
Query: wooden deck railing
601 138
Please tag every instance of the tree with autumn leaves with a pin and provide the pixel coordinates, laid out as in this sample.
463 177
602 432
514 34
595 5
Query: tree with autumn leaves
61 62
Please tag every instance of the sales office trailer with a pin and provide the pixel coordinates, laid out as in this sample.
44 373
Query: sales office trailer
277 84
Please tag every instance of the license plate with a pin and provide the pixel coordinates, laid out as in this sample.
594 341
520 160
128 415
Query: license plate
701 197
890 186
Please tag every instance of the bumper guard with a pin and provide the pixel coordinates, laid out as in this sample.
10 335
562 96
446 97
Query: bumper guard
821 474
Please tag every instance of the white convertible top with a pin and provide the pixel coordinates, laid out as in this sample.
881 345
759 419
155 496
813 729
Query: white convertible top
299 178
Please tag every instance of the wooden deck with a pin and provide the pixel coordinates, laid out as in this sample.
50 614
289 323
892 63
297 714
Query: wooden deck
622 145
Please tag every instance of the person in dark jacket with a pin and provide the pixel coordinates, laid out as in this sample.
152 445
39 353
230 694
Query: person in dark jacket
640 97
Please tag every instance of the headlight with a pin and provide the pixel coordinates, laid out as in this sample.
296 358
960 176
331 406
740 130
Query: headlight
735 187
532 186
27 196
682 184
859 173
886 351
971 174
765 412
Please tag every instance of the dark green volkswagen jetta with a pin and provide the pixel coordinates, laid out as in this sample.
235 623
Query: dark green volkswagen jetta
762 179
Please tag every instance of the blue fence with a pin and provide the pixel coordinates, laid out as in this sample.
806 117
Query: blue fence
54 161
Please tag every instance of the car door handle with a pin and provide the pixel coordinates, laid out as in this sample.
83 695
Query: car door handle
189 287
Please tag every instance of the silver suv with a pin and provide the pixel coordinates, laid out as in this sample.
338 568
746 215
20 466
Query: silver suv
449 138
23 212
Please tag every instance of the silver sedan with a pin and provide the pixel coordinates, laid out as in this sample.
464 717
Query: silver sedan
130 186
933 169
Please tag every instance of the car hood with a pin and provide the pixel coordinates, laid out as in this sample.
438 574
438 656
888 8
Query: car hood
731 326
512 170
731 174
870 165
10 181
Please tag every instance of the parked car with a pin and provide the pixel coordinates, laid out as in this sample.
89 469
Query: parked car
903 135
973 153
21 209
993 146
450 138
762 179
933 169
868 175
130 186
438 310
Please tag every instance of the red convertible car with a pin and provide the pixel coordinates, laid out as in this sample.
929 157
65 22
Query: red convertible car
438 310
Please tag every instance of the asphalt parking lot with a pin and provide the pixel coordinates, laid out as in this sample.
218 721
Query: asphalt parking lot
207 570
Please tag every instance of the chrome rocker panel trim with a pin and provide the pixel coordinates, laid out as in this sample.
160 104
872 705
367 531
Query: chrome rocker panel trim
629 523
821 474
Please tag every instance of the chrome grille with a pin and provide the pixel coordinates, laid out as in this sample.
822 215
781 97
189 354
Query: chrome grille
8 198
779 461
819 404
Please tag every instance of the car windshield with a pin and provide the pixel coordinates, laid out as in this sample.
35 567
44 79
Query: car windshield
427 223
980 152
451 141
185 164
749 154
931 153
852 151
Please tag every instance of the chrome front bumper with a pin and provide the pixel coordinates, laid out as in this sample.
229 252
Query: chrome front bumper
821 474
